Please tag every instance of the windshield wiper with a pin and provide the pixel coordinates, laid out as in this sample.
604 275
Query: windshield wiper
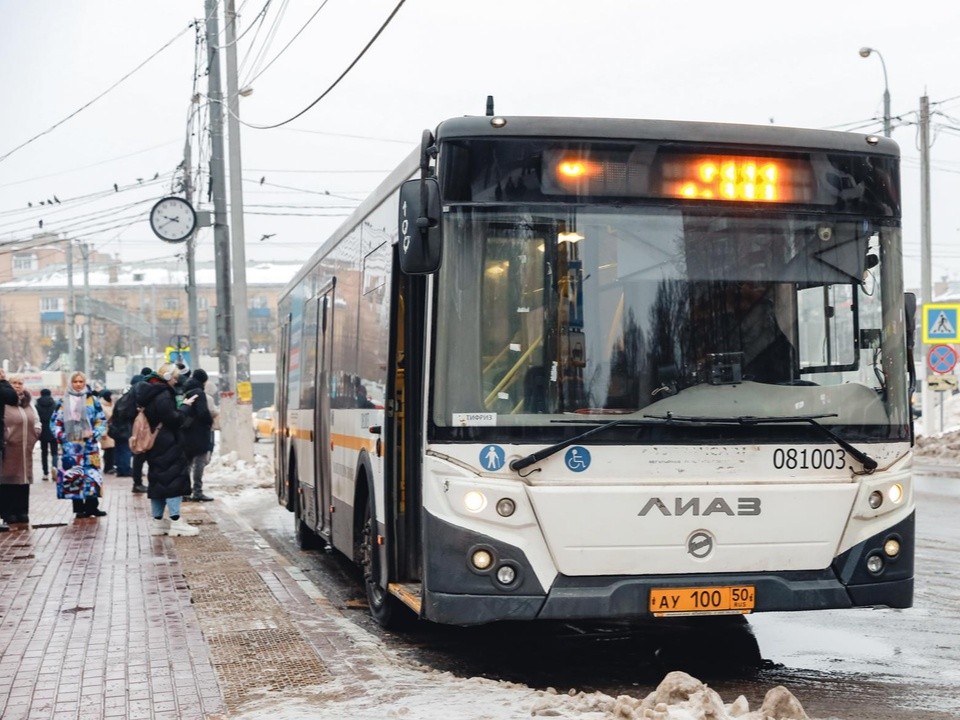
868 462
546 452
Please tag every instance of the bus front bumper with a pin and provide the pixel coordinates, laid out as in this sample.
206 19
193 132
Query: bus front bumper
454 594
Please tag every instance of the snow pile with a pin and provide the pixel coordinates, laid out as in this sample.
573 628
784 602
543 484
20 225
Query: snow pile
428 695
231 475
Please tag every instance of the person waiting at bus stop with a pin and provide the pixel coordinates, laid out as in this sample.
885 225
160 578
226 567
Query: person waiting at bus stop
168 475
48 443
198 432
22 430
78 424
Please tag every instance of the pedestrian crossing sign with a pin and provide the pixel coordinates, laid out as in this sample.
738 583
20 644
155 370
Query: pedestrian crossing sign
940 323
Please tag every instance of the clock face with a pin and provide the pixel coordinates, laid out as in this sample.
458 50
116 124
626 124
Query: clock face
173 219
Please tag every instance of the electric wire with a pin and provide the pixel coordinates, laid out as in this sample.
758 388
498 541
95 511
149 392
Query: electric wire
337 81
98 97
289 43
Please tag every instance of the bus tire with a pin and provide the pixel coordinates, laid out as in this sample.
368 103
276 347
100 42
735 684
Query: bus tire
307 539
384 607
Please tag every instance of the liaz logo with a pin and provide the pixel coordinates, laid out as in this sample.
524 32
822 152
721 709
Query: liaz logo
702 507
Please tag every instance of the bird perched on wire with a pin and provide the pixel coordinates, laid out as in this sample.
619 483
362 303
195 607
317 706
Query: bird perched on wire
262 179
115 188
41 224
267 237
56 199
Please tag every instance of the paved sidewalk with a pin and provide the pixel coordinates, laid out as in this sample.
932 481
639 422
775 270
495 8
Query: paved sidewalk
100 620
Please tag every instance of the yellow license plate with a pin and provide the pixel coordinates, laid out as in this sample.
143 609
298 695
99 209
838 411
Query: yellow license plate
702 600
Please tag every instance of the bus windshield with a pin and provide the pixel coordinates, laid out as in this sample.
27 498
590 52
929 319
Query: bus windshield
546 312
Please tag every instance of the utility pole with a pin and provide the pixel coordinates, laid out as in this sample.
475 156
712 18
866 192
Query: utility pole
221 239
192 311
71 312
926 287
244 387
87 327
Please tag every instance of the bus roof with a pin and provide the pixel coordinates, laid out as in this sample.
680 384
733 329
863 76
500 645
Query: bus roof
668 131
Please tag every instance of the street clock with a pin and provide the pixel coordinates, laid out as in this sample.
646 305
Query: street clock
173 219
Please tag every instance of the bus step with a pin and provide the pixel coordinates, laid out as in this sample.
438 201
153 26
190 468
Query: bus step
409 594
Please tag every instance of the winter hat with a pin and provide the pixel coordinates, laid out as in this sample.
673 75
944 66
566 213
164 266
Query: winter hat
200 375
45 392
144 371
106 395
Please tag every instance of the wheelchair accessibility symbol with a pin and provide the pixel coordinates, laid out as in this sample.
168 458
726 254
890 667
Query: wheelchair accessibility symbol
577 458
492 458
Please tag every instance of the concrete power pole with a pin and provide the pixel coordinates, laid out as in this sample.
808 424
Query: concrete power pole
926 286
87 306
221 240
192 310
71 313
241 335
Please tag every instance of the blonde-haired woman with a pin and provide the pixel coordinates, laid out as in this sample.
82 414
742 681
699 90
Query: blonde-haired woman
22 430
78 424
168 476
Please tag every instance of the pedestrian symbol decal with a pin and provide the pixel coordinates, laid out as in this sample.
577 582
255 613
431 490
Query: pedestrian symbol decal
943 326
940 323
577 458
492 458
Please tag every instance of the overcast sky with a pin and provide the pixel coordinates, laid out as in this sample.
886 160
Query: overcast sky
752 62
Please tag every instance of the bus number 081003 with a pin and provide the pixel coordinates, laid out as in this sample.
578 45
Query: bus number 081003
809 459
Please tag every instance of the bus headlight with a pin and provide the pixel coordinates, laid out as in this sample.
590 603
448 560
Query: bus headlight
895 493
506 574
506 507
875 564
481 559
474 501
875 499
891 547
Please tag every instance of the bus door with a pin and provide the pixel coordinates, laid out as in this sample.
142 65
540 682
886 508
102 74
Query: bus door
281 442
322 417
404 422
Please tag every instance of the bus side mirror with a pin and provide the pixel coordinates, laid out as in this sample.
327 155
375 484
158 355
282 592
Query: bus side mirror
421 239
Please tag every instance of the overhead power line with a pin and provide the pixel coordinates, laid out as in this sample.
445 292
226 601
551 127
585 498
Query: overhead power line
91 102
337 81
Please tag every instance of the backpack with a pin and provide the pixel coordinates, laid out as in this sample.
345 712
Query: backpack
142 436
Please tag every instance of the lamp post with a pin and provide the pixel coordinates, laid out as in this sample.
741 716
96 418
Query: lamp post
866 52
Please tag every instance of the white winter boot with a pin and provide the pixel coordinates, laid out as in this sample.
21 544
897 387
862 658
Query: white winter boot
159 527
181 527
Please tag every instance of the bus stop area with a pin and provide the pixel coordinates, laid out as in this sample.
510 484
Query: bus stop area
98 619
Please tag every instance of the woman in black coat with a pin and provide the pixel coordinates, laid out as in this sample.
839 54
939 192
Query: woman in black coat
168 477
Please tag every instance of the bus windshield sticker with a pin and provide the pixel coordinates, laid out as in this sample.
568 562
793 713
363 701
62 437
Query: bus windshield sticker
492 458
577 458
476 419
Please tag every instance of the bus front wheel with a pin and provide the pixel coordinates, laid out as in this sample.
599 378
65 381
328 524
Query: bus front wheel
384 608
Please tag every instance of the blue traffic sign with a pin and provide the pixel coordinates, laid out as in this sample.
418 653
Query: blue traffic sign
940 323
942 359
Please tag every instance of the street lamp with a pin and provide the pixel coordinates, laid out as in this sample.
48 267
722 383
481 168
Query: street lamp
865 52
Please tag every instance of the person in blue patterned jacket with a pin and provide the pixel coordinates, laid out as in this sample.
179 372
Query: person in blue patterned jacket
78 423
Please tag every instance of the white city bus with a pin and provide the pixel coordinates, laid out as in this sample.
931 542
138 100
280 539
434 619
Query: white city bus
559 368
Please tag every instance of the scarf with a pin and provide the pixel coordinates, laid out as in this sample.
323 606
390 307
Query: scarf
75 420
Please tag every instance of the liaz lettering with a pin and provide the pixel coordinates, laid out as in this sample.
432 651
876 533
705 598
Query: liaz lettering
702 507
812 459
